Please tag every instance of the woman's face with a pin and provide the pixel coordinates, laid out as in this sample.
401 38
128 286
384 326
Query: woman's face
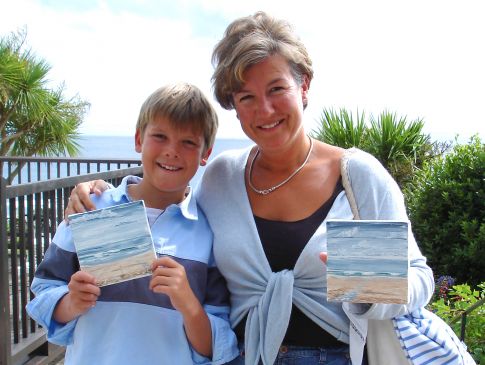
270 103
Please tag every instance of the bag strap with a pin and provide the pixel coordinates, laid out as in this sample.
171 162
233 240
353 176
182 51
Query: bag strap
344 172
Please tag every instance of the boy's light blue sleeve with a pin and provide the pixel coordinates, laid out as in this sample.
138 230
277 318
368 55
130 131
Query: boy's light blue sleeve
41 309
224 342
50 286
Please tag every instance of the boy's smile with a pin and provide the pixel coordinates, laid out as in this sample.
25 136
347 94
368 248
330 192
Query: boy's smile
170 157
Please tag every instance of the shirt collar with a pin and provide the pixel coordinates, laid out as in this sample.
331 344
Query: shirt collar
188 206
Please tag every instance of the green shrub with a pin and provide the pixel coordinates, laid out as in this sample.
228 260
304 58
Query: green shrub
446 202
451 306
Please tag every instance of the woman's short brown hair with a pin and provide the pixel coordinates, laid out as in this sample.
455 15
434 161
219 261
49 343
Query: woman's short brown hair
248 41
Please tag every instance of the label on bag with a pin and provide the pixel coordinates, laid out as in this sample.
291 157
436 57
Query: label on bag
357 335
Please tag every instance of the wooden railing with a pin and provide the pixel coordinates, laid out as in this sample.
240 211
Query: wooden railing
29 215
31 169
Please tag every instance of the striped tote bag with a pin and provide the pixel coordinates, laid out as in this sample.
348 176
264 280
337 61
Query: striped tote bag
427 340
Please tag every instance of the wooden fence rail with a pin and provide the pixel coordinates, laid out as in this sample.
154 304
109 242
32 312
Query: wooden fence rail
44 168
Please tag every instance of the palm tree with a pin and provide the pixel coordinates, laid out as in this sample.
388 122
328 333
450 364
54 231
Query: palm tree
34 119
400 145
340 129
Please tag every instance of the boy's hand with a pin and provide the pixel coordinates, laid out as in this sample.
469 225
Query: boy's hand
79 201
169 278
83 294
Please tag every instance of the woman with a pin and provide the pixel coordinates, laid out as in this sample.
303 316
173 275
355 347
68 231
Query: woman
268 205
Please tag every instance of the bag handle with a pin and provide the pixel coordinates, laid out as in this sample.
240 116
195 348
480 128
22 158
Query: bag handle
344 172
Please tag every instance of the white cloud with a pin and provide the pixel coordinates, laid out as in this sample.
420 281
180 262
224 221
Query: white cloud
420 59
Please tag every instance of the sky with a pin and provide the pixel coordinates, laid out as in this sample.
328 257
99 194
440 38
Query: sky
422 59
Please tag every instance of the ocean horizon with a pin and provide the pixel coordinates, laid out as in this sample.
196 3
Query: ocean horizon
100 146
123 147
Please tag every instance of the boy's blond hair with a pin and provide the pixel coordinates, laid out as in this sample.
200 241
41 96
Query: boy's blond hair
184 106
248 41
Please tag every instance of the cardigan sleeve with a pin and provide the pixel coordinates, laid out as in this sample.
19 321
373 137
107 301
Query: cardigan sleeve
379 197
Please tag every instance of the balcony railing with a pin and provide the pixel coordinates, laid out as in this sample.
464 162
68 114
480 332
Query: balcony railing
31 169
29 215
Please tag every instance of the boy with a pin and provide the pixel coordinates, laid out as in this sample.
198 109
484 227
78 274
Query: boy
180 314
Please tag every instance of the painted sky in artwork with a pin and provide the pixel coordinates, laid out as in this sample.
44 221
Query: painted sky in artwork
111 234
367 248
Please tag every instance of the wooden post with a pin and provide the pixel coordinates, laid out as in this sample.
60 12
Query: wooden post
5 346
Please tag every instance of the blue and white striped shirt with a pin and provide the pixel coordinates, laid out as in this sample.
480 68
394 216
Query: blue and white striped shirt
129 323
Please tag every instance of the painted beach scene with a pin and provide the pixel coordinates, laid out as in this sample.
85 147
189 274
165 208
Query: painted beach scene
367 261
114 244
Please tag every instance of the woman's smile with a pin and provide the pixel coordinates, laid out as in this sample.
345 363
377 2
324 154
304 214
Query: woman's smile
270 126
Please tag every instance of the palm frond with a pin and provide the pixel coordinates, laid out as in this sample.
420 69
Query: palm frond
340 128
34 119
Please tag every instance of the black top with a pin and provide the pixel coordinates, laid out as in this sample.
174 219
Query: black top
283 243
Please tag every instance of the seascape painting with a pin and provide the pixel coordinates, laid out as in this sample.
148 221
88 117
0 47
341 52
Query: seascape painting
367 261
114 244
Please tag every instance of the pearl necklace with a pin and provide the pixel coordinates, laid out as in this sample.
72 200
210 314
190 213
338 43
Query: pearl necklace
273 188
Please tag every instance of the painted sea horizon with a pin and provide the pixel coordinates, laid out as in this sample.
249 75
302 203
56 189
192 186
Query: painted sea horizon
367 261
123 251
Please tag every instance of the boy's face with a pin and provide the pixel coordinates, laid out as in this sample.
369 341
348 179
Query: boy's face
170 156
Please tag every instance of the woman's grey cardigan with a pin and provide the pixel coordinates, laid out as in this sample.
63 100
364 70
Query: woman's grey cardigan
267 297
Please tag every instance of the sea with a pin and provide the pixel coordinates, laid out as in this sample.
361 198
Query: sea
124 147
105 147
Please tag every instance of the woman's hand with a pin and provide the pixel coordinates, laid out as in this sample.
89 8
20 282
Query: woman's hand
79 201
323 257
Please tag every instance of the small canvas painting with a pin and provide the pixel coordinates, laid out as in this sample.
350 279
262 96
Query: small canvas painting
367 261
114 244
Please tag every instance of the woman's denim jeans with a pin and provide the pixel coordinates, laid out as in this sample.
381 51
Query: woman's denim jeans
297 355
